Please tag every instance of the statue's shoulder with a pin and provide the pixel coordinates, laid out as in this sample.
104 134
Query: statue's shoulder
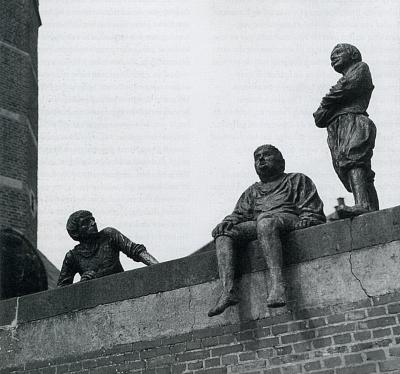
70 255
108 231
252 188
298 176
358 68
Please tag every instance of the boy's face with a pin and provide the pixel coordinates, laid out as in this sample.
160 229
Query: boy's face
340 59
266 162
87 226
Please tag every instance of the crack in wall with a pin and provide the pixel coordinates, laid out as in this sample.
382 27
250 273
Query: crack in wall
351 263
13 326
190 308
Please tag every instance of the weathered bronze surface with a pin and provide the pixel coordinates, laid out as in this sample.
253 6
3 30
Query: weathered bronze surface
97 253
351 133
267 210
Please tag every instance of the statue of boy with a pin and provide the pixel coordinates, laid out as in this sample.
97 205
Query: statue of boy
97 253
351 134
268 209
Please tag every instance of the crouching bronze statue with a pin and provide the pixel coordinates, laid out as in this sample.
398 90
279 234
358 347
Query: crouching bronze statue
97 253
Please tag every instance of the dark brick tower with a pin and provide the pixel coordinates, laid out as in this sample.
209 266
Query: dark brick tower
19 23
21 270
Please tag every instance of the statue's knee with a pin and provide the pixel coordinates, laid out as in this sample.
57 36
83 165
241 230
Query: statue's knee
268 224
226 238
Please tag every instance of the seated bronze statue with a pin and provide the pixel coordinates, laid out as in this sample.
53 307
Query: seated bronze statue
97 253
268 209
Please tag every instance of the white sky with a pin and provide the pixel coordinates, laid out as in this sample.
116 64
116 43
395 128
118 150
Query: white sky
150 110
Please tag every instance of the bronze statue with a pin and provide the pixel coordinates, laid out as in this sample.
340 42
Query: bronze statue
351 133
267 210
97 253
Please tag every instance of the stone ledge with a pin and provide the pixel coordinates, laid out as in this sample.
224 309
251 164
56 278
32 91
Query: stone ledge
359 278
301 246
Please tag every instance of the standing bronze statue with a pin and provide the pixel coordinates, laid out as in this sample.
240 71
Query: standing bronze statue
268 209
97 253
351 133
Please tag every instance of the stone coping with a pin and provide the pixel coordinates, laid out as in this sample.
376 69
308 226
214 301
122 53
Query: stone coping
300 246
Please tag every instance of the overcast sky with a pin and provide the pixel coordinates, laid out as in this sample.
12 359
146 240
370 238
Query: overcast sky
150 110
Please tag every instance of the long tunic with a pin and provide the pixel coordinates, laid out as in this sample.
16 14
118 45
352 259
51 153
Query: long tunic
293 193
100 255
343 111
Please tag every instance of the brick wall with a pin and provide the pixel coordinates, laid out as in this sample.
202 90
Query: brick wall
343 314
19 22
361 338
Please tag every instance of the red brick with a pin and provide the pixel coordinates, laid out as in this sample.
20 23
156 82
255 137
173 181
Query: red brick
212 362
266 353
178 369
275 320
336 318
302 347
182 338
336 329
196 344
337 349
362 369
209 342
390 364
262 332
310 366
342 339
261 343
229 360
353 359
394 351
393 308
154 352
294 369
282 360
279 329
356 315
226 339
193 356
381 333
179 347
362 335
212 371
247 356
333 362
195 365
283 350
378 322
272 371
160 361
226 350
61 369
323 342
76 366
386 299
210 331
305 335
375 355
317 322
376 311
246 335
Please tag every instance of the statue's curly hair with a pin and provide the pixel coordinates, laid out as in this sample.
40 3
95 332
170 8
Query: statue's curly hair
73 223
276 151
350 49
